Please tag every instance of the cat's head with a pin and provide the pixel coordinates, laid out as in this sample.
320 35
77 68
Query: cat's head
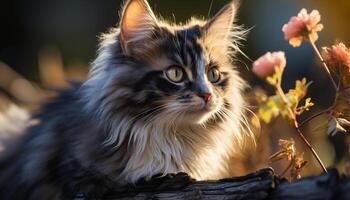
152 70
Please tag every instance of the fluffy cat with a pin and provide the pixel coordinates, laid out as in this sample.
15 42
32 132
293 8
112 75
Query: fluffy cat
160 98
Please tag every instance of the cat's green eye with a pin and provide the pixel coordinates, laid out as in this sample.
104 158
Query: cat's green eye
175 74
213 75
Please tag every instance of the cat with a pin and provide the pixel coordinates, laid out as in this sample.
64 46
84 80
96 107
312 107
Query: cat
160 98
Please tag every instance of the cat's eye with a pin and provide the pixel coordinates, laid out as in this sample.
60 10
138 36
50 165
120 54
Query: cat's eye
175 74
213 75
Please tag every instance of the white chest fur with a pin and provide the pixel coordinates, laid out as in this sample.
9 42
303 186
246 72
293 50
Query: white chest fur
202 152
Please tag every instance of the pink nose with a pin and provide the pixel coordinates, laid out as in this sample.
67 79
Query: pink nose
205 96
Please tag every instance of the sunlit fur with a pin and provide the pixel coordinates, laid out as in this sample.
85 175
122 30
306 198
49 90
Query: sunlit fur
168 136
128 120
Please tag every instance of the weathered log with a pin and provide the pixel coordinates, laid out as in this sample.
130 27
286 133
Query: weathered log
263 184
326 186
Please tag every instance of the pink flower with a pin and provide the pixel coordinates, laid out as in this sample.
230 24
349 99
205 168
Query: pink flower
266 65
338 57
302 27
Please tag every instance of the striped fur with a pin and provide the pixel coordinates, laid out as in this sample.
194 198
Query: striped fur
128 121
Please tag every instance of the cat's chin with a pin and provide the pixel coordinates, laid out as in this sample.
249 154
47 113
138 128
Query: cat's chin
199 116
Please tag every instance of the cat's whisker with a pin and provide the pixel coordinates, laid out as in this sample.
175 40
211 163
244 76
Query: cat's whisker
133 120
245 64
153 110
162 92
244 124
177 45
137 114
210 7
254 115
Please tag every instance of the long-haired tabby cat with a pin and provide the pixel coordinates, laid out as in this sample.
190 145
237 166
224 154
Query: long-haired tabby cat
160 98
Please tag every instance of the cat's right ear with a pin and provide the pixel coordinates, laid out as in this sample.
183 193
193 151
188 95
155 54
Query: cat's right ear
137 25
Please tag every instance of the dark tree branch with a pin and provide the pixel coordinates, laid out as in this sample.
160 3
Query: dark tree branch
263 184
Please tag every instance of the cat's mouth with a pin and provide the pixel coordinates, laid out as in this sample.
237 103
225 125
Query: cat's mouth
202 107
203 110
195 111
199 115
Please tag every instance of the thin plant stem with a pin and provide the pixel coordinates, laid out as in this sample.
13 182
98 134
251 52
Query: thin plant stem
301 135
314 116
313 45
285 170
283 97
296 126
329 109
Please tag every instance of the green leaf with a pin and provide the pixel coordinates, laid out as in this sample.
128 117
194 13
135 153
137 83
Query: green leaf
300 89
270 108
276 77
274 106
305 107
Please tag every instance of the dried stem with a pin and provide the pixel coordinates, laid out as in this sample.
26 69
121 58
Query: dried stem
293 115
296 126
322 112
314 116
288 167
301 135
313 45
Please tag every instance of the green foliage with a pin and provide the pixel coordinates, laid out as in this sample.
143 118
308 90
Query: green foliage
276 78
305 107
282 103
270 108
300 90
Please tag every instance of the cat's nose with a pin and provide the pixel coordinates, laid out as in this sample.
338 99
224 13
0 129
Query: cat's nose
205 96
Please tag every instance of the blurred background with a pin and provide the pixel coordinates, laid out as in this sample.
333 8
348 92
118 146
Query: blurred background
44 43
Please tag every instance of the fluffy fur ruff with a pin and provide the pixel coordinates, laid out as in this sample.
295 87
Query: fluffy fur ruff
110 130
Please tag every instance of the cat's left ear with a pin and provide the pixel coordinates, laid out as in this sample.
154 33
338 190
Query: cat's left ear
137 25
220 26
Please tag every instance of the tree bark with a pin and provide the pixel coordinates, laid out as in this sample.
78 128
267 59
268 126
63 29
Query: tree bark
263 184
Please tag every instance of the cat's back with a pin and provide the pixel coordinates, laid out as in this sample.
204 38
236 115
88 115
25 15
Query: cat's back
36 157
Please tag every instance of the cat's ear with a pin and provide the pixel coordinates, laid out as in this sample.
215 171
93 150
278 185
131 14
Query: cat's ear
137 24
220 26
